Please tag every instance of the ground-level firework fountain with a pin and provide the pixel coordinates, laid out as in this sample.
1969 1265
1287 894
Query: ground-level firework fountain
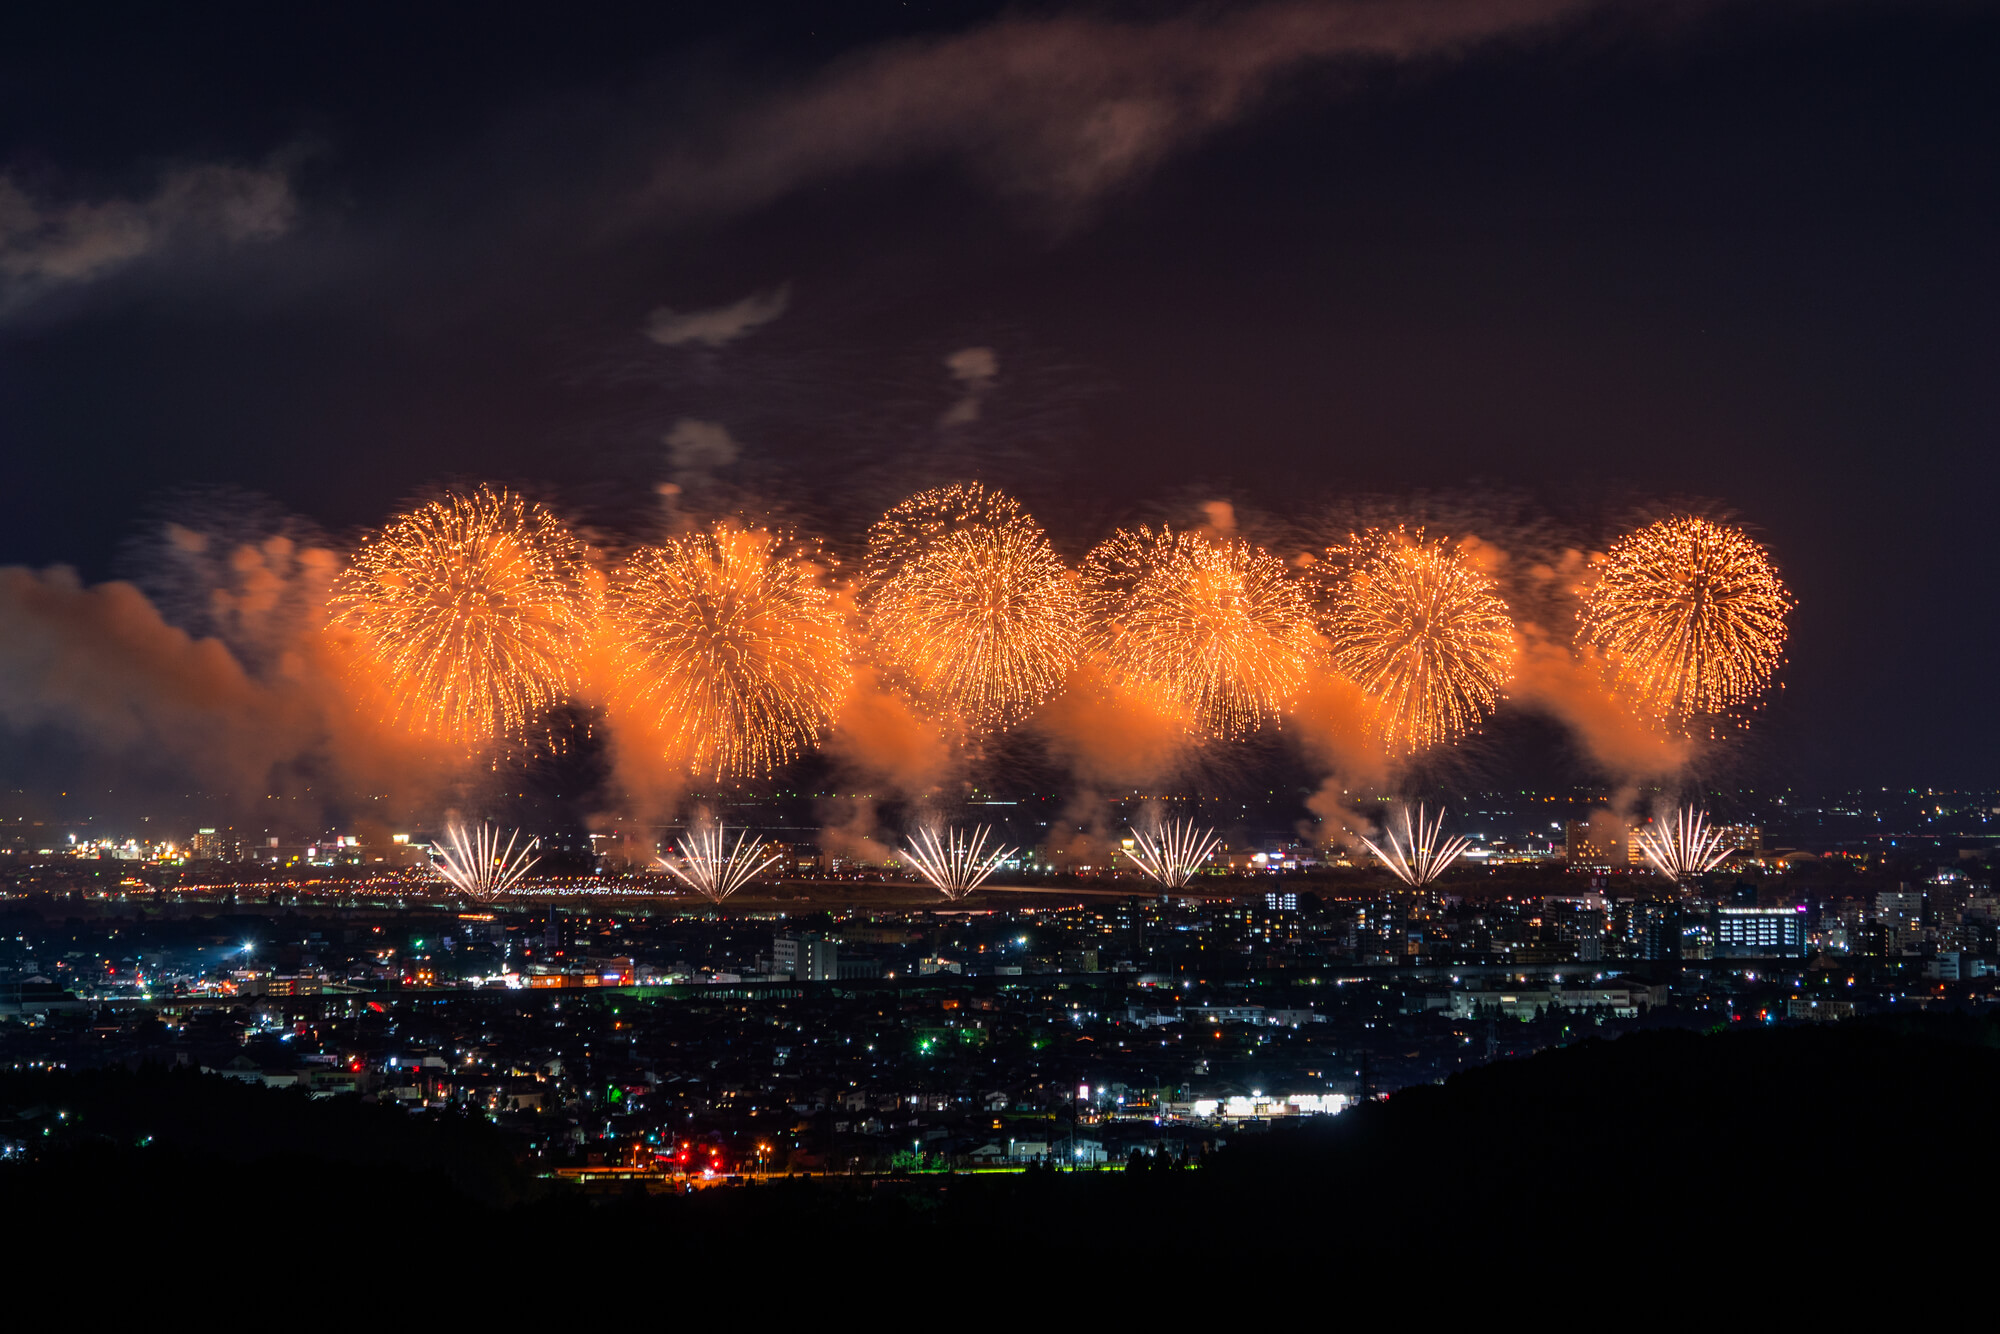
713 872
478 867
1421 855
957 863
1172 854
1684 846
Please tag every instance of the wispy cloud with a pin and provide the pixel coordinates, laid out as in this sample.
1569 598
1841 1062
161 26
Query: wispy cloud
975 369
697 449
1061 110
720 325
48 243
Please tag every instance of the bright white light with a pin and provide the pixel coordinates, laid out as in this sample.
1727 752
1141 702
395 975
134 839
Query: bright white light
478 867
956 864
1684 847
705 868
1171 856
1419 858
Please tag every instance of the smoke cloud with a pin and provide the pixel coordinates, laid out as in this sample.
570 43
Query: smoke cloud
231 677
1059 111
1553 678
47 243
720 325
100 662
975 368
880 735
1111 738
696 450
102 667
850 830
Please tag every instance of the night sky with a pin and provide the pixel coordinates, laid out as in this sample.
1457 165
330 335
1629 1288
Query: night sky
1539 265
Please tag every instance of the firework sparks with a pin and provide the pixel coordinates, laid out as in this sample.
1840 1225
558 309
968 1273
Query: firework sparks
1216 627
1423 632
1690 616
1684 847
1171 856
732 645
1420 856
706 868
478 867
467 611
967 599
957 863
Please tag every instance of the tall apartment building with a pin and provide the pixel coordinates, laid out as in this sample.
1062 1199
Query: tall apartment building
1601 843
1900 914
808 957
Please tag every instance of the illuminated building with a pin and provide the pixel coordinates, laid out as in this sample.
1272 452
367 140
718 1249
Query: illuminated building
808 957
1586 843
1648 930
1740 837
214 845
1900 914
1760 932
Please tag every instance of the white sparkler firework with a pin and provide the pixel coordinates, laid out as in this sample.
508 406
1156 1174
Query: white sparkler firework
1418 857
478 866
705 868
1171 856
956 864
1684 846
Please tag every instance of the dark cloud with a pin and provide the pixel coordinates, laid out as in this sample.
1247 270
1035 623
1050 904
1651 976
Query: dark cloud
974 368
719 325
1058 111
48 242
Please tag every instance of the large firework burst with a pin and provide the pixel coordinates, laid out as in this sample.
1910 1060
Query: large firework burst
1172 854
1215 626
713 868
957 863
729 641
1690 617
1683 847
1422 630
1421 855
478 867
467 612
967 599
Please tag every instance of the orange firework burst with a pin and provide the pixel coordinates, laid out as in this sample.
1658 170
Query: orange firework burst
1690 617
1422 631
732 643
467 612
1215 626
967 599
